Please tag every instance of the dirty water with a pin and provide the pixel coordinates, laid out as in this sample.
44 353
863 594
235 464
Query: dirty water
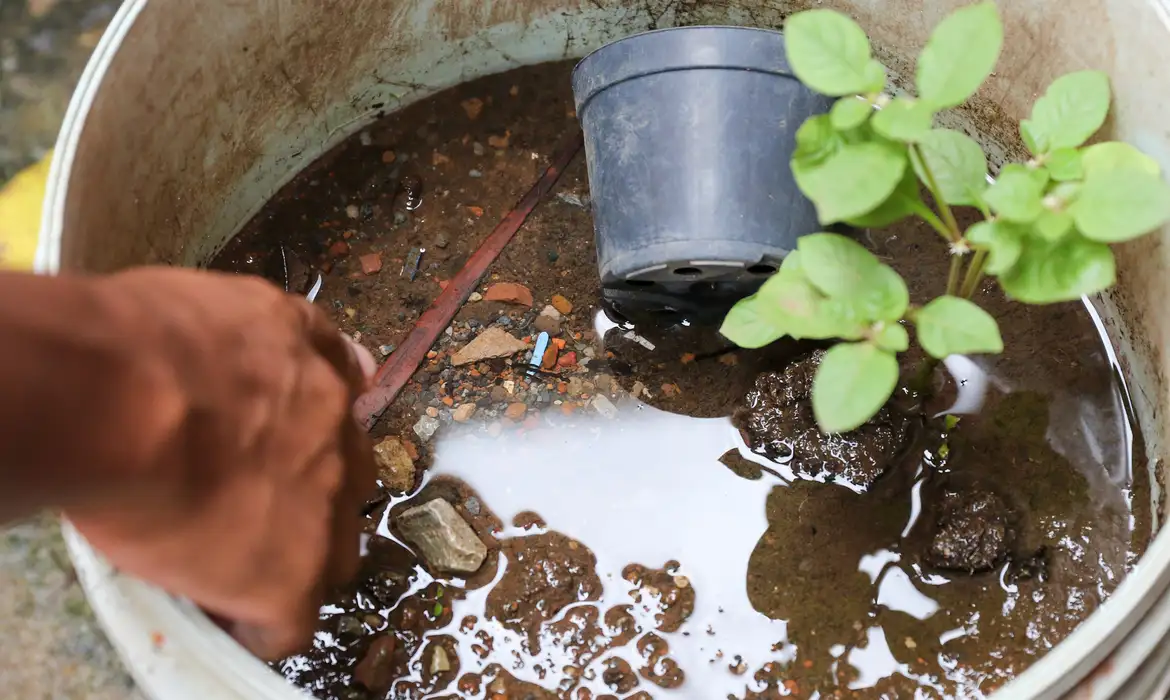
637 547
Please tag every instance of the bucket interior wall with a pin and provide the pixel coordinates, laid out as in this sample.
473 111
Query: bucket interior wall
208 107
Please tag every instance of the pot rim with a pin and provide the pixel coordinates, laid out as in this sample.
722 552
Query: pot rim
176 653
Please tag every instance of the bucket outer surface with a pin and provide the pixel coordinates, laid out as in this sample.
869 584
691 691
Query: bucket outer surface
688 133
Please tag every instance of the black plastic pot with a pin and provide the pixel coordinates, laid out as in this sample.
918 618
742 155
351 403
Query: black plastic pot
688 134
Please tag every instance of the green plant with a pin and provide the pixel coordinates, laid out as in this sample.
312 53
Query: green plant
1046 224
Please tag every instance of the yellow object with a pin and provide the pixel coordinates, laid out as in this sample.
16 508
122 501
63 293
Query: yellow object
20 215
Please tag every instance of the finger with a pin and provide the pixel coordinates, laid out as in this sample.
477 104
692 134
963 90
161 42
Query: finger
276 641
364 357
334 347
359 486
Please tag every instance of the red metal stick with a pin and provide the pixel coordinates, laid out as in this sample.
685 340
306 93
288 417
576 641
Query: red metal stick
397 371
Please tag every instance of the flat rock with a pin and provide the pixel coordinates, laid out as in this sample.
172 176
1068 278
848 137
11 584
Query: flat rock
550 311
547 324
395 466
509 293
376 669
493 342
444 539
562 304
604 406
425 427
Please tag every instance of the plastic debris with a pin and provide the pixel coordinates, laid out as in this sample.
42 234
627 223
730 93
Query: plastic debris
538 353
312 295
413 260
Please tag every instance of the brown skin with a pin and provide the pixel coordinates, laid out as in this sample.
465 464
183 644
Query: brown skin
210 448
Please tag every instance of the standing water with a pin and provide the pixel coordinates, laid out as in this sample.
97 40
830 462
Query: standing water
637 545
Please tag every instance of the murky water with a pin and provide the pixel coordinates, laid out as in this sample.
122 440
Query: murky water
650 554
798 588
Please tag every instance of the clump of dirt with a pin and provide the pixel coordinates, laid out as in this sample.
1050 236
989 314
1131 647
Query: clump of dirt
972 531
777 421
665 589
545 573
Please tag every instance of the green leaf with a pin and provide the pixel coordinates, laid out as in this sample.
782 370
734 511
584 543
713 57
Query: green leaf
951 422
816 141
804 311
905 200
1016 195
850 113
957 163
844 270
1065 164
851 385
1001 240
892 337
1049 272
1053 225
853 181
959 55
830 53
1115 154
904 119
1120 204
953 326
1072 109
753 323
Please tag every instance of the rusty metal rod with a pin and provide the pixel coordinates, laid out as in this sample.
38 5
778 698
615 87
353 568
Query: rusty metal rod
397 371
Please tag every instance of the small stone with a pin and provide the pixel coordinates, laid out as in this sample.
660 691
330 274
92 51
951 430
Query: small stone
352 211
473 107
433 412
475 173
730 359
475 296
399 218
573 199
550 311
514 91
669 390
425 428
389 157
516 412
442 240
440 663
438 159
444 539
339 249
553 256
550 358
350 312
477 148
509 293
464 413
472 505
681 581
349 625
604 406
376 669
637 390
475 211
492 343
371 263
567 360
547 324
500 142
395 466
499 394
562 304
387 349
365 138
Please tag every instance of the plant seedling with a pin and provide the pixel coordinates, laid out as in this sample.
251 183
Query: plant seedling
1046 224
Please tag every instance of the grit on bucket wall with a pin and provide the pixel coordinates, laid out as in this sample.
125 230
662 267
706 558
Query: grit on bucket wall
193 112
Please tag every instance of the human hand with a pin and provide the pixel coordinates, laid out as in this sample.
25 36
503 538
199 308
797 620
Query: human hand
247 495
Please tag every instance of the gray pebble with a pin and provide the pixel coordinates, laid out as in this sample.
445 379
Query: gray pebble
474 173
477 148
472 505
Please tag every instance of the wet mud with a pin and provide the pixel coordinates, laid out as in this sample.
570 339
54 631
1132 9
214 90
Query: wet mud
659 516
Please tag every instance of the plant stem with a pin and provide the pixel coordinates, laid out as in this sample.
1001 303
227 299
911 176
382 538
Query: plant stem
974 275
923 384
931 184
929 217
953 277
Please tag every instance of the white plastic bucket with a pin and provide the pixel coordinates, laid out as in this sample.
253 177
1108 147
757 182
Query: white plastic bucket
193 112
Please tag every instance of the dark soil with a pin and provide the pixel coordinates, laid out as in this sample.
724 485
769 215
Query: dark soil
755 580
777 421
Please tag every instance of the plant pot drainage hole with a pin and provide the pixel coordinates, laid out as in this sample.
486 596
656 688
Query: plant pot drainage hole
649 512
